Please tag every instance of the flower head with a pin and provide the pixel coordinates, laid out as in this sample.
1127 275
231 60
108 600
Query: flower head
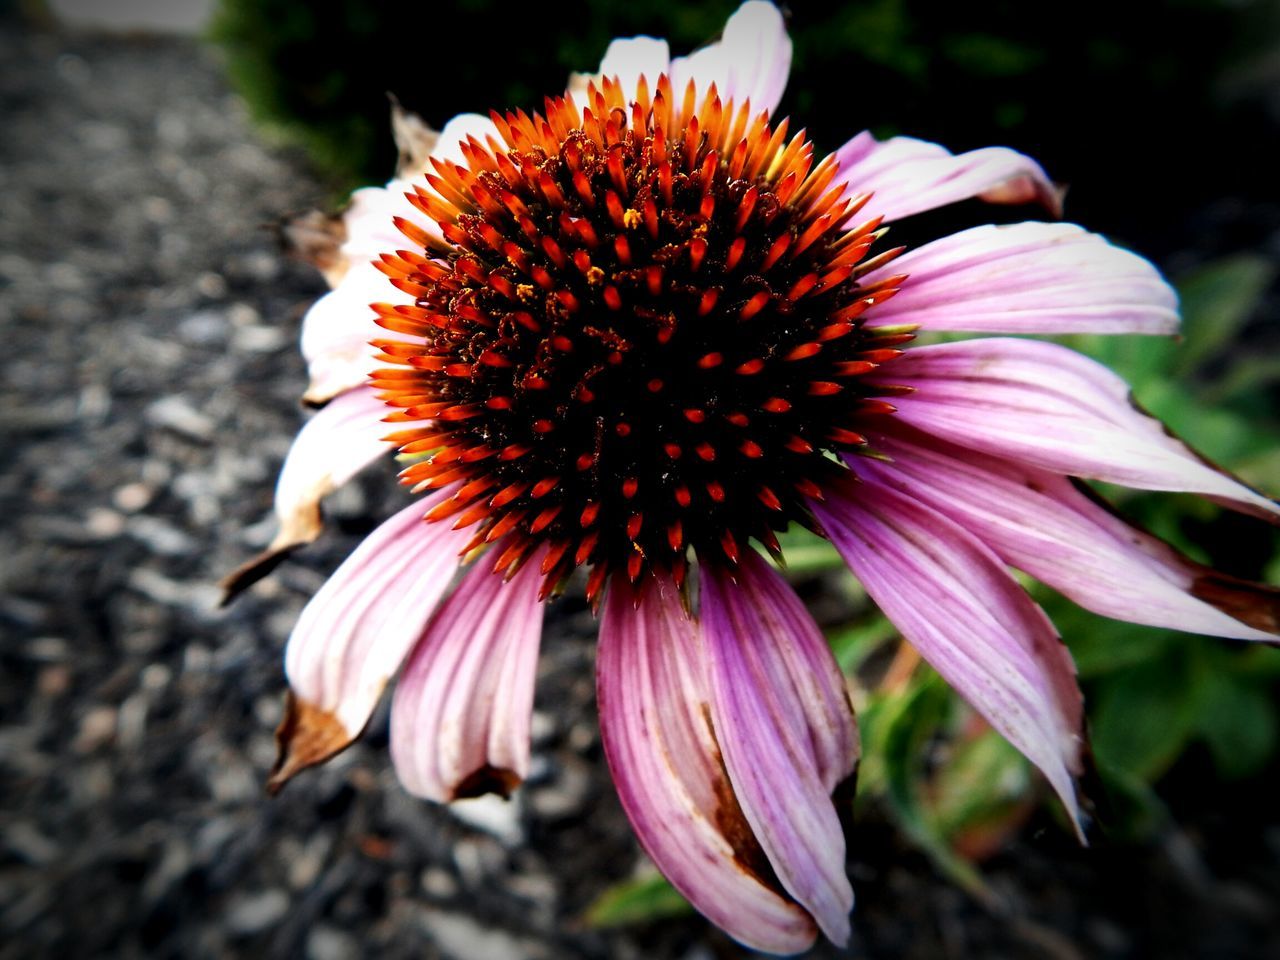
648 326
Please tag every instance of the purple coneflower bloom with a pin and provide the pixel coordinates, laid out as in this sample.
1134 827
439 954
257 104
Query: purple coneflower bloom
648 326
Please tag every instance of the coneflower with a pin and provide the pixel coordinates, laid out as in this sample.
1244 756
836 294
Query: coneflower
641 332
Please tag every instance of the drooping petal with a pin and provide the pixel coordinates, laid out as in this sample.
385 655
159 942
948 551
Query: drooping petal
461 711
750 61
786 730
1043 404
1039 522
910 176
356 631
1028 278
955 603
332 447
655 723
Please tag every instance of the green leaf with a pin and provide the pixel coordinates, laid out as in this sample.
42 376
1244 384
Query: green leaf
1143 716
1099 645
1217 301
1235 716
853 644
983 778
899 735
640 900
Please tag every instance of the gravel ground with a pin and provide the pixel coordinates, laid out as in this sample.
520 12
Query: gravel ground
148 396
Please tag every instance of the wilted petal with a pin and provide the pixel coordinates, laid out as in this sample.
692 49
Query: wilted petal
415 141
1028 278
1052 407
461 711
356 631
954 601
317 238
910 176
786 730
750 61
656 726
332 447
1039 522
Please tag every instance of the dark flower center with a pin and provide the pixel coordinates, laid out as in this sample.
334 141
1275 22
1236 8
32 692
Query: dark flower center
642 332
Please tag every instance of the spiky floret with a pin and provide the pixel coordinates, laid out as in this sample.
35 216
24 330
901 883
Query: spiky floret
641 332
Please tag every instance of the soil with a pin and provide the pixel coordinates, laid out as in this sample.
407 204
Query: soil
150 377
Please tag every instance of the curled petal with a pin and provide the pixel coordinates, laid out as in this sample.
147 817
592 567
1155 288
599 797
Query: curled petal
786 730
955 603
353 635
910 176
1039 522
750 61
461 711
332 447
1043 404
1028 278
656 726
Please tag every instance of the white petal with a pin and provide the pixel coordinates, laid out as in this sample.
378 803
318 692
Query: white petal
751 61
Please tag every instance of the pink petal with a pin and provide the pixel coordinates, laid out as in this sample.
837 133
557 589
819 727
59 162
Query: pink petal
910 176
1028 278
751 61
461 711
652 690
786 729
955 603
333 446
353 635
1043 404
628 59
1039 522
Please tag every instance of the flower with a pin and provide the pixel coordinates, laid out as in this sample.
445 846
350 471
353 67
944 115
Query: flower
647 325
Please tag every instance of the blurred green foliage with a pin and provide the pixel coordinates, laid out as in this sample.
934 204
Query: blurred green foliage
1168 92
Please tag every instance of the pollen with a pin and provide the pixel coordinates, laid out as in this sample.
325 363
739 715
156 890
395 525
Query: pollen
642 332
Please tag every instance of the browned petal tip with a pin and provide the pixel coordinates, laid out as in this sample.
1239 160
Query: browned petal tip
1253 604
414 140
247 574
317 238
307 735
487 779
